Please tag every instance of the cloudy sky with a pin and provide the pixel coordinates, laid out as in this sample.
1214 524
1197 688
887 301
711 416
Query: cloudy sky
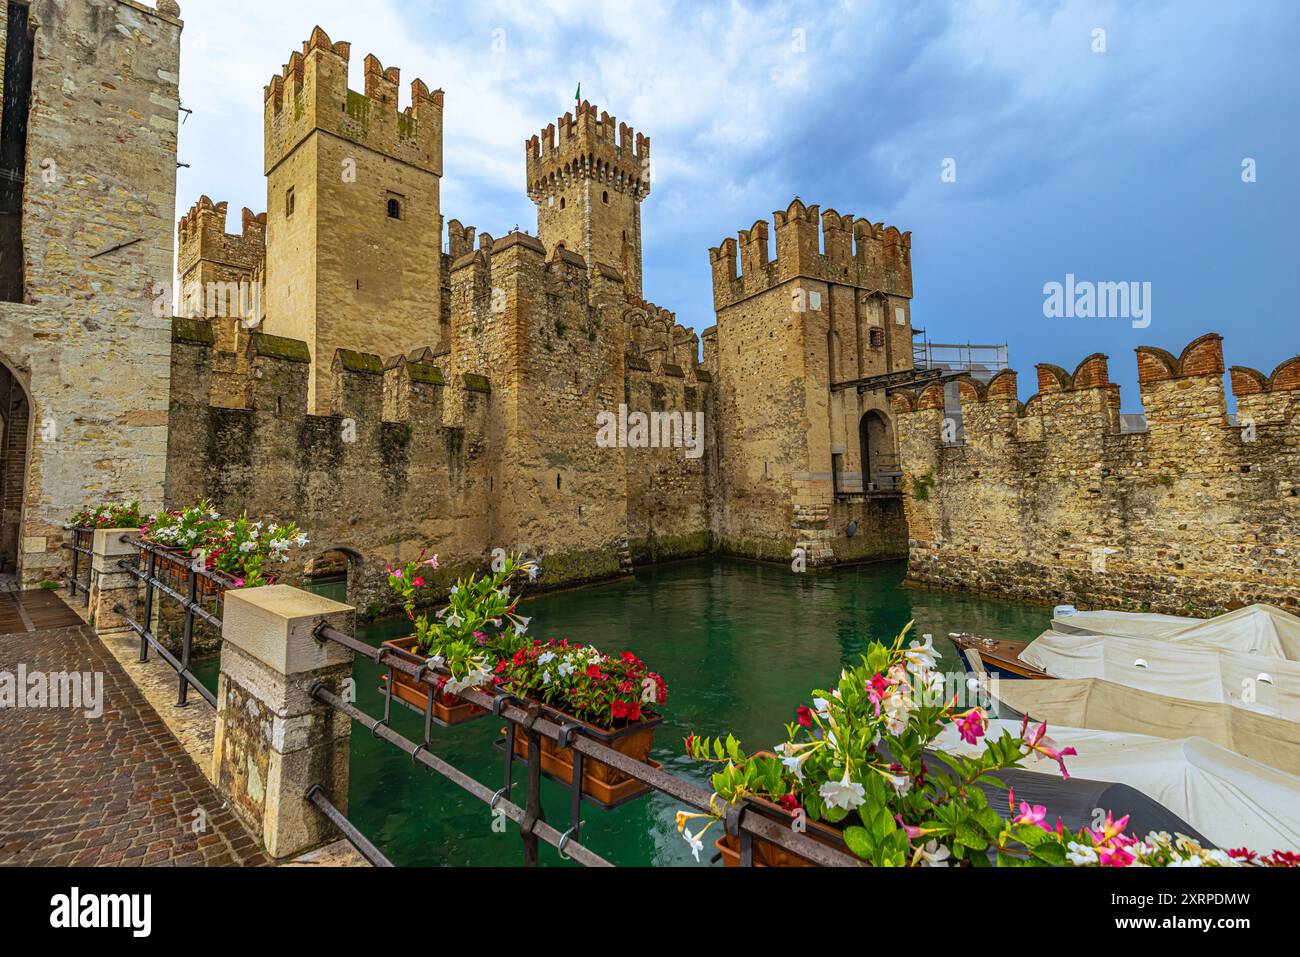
1122 165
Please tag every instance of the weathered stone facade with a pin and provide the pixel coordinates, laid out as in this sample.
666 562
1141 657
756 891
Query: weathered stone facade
1049 501
82 340
797 353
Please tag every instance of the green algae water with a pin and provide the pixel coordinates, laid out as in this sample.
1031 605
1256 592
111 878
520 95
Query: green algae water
740 646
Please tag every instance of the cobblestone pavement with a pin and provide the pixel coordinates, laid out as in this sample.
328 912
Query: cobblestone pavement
117 789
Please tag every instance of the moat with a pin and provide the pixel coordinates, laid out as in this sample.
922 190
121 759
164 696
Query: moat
740 645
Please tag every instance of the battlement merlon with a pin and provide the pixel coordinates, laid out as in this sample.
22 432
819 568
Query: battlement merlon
201 235
810 244
587 146
311 94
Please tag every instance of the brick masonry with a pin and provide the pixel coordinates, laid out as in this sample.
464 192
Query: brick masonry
114 790
1049 501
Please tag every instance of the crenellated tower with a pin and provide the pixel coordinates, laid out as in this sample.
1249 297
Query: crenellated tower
353 222
588 176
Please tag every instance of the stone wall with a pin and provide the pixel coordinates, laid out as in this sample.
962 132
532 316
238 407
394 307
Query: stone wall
85 342
795 339
1048 501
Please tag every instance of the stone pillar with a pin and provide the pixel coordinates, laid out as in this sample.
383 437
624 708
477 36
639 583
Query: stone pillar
273 740
109 584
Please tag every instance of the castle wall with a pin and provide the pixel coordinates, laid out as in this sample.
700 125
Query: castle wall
1050 502
357 481
97 242
818 315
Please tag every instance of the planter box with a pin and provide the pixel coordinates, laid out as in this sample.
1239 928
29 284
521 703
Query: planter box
767 854
447 708
600 782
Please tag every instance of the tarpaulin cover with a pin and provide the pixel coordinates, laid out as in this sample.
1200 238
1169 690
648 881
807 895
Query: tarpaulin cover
1231 800
1253 630
1190 670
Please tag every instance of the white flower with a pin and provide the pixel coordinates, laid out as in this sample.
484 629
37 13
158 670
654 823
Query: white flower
901 783
246 546
693 840
566 668
455 621
302 539
1081 855
522 625
455 589
844 794
546 676
546 657
532 571
935 855
921 657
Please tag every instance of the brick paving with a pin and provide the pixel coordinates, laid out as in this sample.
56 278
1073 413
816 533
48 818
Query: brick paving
114 790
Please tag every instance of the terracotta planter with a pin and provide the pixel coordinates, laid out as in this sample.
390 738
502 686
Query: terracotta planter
602 783
767 854
447 708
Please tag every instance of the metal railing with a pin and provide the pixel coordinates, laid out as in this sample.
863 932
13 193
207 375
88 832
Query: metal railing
194 581
535 721
80 546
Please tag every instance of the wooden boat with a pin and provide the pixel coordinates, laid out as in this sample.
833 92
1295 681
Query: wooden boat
999 656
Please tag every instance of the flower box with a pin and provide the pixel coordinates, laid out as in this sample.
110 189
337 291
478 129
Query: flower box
601 782
767 854
447 708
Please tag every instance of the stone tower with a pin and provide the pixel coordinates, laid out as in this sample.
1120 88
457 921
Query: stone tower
588 186
353 222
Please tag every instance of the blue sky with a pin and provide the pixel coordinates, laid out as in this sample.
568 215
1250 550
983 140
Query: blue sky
1123 165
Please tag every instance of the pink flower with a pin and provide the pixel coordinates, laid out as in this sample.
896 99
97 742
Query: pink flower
1038 743
239 583
1111 832
1032 815
419 582
971 725
432 562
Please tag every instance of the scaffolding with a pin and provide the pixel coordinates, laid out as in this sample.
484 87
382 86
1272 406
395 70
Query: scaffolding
981 362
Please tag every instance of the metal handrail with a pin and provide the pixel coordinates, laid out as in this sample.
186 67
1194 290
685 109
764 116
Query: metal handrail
188 677
537 721
316 795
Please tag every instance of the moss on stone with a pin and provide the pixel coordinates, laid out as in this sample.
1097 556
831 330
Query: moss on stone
278 347
659 548
186 329
477 383
426 373
352 361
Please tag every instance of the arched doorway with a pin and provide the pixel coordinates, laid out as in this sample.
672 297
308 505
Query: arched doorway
879 457
328 574
15 441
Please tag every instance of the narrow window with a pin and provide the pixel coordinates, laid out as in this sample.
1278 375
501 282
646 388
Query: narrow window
561 202
288 202
604 197
394 209
557 481
17 88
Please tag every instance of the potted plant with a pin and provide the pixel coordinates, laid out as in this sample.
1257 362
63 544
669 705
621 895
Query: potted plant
242 553
178 533
461 642
611 696
853 773
119 515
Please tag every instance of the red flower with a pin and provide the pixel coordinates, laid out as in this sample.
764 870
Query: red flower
791 802
593 671
805 715
1243 854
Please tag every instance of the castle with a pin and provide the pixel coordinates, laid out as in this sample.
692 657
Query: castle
339 363
389 395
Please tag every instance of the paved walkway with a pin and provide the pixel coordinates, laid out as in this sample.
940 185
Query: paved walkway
93 791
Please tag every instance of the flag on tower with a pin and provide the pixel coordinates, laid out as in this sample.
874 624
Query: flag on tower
577 94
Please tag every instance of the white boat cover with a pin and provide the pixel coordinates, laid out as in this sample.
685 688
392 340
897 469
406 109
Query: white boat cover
1253 630
1107 706
1190 670
1232 800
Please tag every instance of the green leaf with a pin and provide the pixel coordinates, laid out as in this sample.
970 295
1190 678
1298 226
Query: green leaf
1050 853
859 841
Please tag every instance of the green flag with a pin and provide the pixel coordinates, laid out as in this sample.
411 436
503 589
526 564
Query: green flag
577 94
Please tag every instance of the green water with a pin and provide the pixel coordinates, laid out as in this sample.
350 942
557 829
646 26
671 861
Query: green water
740 646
